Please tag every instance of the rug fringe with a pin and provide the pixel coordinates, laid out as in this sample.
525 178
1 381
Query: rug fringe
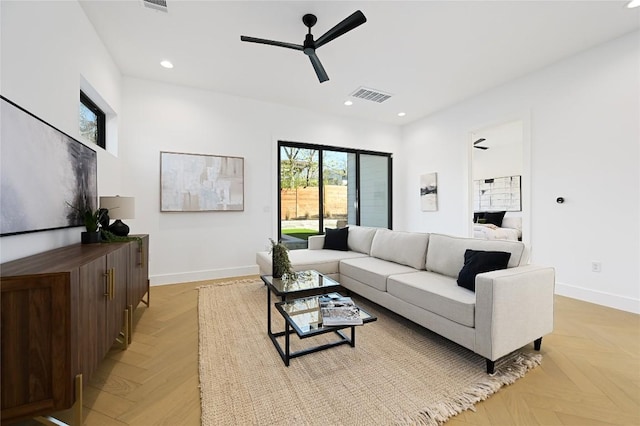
439 413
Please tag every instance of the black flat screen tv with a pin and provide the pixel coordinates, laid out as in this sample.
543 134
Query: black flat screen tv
43 172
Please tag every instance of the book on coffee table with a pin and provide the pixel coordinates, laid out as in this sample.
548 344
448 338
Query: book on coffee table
337 310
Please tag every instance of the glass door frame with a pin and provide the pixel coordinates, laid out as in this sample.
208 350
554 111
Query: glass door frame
320 149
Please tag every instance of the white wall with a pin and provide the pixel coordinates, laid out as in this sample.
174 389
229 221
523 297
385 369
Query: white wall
582 118
200 245
47 49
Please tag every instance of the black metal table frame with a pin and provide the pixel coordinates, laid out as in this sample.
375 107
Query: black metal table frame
291 327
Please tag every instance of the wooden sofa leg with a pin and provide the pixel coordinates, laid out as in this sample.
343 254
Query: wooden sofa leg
491 365
537 343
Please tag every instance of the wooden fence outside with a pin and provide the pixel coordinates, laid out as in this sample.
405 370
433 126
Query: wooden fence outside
302 203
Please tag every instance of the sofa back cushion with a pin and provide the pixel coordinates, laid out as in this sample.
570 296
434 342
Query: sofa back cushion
360 238
446 253
406 248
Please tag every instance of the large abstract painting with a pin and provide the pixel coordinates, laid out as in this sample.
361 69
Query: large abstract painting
197 182
42 172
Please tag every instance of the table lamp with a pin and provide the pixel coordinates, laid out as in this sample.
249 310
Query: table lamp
119 208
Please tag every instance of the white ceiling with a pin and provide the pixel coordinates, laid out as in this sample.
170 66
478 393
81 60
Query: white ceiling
428 54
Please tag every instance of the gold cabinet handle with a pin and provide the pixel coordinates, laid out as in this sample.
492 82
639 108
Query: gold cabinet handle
142 259
113 283
107 283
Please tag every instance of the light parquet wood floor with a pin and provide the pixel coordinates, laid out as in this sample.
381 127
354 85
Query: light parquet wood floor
590 374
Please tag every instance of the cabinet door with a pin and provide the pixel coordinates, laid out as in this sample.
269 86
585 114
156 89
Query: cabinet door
92 295
117 263
36 364
139 282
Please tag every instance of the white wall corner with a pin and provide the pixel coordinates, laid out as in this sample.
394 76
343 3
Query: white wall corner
603 298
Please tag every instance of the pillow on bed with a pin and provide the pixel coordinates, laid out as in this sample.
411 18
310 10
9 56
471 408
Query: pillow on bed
477 262
477 216
494 217
336 239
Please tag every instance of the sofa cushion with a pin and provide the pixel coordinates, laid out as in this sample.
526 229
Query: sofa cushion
360 238
477 262
406 248
336 239
435 293
446 253
323 261
372 271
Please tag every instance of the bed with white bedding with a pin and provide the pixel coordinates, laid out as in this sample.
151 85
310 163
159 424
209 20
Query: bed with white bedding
506 228
489 231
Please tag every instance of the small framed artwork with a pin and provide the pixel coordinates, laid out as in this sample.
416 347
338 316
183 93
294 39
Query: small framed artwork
429 192
199 182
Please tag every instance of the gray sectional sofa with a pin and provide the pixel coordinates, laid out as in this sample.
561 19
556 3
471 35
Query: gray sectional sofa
415 275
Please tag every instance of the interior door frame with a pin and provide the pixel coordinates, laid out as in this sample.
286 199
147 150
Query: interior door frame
526 181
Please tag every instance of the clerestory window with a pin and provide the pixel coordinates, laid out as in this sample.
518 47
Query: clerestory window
92 121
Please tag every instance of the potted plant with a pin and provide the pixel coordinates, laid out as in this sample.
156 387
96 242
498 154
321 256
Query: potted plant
281 264
92 219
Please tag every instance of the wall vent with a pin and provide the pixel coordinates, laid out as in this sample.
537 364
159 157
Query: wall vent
156 4
370 95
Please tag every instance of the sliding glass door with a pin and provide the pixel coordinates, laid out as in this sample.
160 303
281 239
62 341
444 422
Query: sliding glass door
299 195
328 187
375 191
335 185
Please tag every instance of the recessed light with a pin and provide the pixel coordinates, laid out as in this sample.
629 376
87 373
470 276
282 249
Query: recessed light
633 3
166 64
402 114
348 103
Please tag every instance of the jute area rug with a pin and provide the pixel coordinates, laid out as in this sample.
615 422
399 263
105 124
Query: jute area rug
398 372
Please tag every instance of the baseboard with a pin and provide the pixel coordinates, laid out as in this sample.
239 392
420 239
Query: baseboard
615 301
212 274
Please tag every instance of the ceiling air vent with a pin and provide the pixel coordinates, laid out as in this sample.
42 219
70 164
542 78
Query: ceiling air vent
371 95
156 4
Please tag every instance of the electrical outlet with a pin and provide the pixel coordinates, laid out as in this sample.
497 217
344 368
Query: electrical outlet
596 267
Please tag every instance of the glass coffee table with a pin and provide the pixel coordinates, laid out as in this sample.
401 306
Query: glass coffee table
306 283
300 309
304 317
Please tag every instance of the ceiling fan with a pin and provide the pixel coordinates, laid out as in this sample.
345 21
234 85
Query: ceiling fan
310 45
475 144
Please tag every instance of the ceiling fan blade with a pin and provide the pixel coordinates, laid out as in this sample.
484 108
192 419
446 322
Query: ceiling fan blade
271 42
354 20
479 140
320 72
481 147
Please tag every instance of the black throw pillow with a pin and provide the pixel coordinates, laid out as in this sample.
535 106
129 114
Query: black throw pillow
336 239
494 217
477 262
478 215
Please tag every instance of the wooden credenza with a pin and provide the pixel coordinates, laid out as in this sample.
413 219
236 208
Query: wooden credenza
61 311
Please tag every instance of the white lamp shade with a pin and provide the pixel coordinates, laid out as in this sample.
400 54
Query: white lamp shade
119 207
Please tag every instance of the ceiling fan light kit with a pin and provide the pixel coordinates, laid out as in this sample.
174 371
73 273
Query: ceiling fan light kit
310 45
